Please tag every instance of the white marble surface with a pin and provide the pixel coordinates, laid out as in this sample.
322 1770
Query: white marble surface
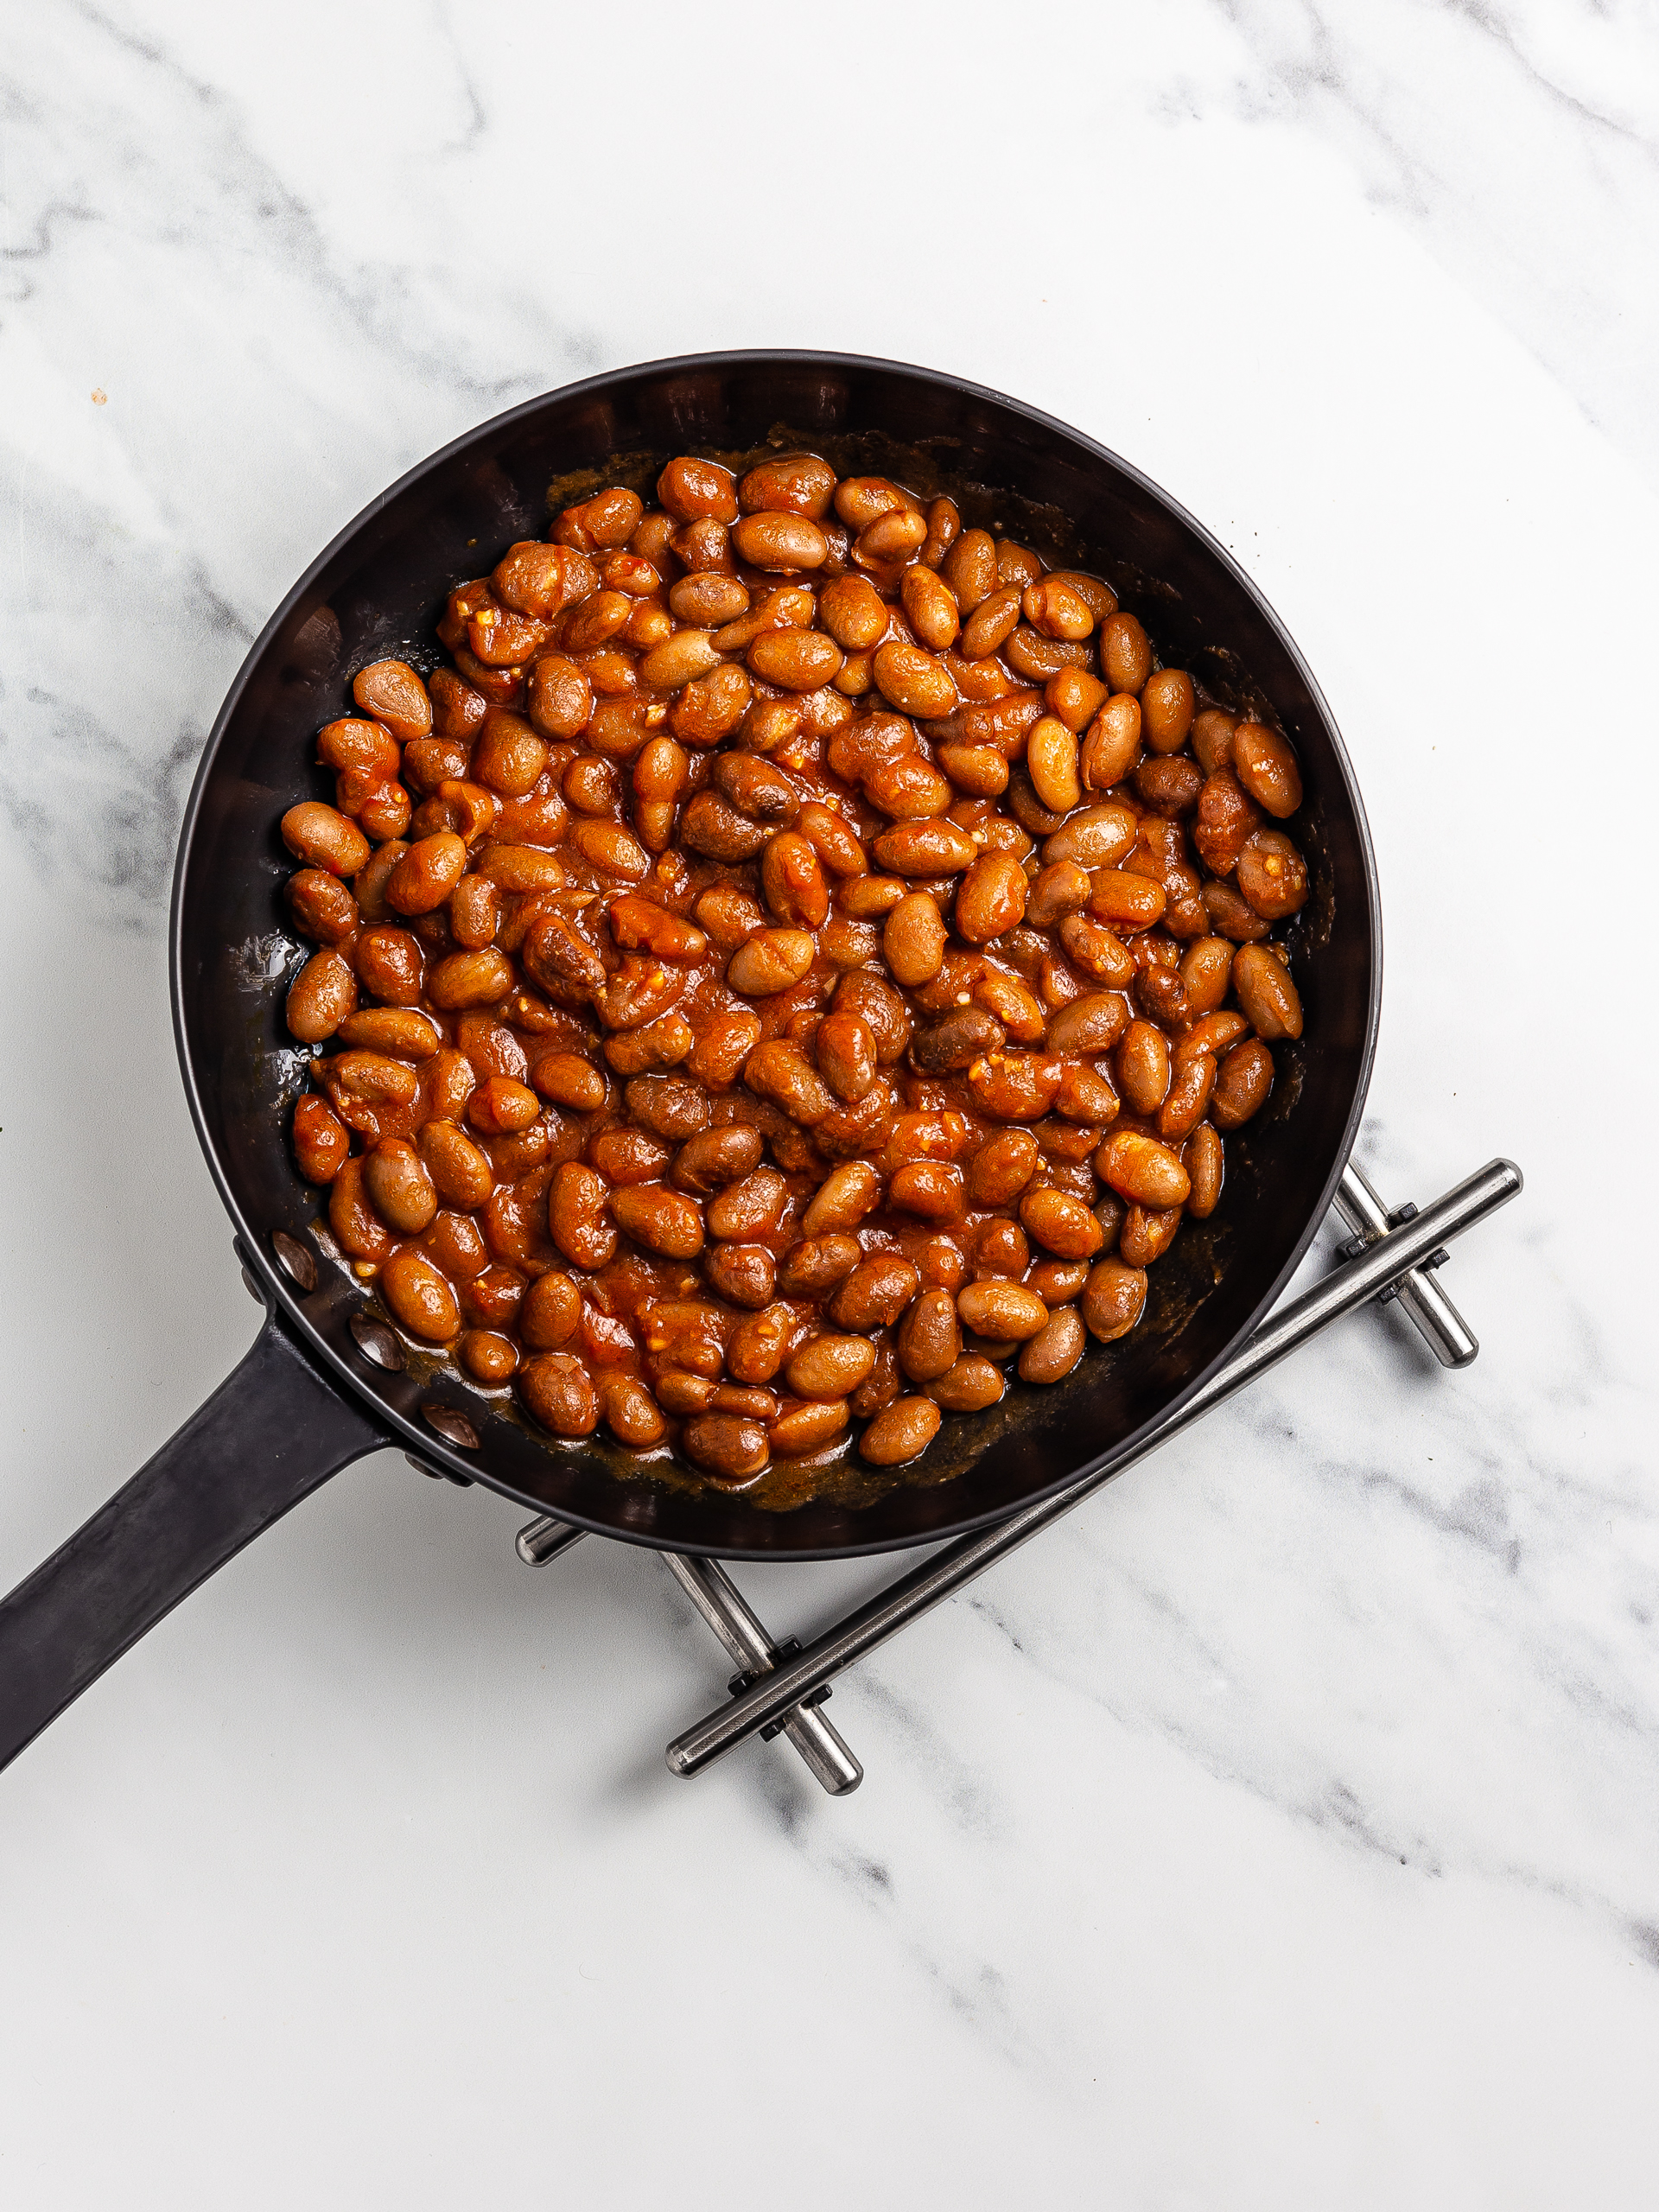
1279 1831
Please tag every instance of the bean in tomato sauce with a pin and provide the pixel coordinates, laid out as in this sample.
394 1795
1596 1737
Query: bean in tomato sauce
797 963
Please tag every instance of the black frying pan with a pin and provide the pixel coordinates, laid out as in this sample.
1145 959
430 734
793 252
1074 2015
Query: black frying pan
306 1401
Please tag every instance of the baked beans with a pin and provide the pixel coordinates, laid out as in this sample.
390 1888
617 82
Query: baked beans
797 960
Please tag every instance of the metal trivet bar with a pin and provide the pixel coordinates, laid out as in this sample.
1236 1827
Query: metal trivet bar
1389 1258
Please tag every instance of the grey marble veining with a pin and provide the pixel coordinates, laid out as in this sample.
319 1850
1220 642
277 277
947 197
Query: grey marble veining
1281 1829
1521 143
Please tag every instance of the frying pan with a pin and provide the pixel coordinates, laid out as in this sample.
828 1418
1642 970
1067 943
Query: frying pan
306 1400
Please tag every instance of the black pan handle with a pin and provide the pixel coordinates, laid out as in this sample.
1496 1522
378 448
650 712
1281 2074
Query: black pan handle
272 1433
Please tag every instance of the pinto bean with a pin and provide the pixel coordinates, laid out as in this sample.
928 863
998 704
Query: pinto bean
1142 1170
912 943
812 1267
929 1340
830 1367
626 1156
1167 708
1227 816
470 979
808 1427
1055 1349
1114 741
427 873
845 1050
715 1158
1126 900
679 660
717 1057
794 883
1266 992
727 1447
551 1311
398 1186
955 1043
1232 916
749 1208
1051 764
900 1432
682 1393
1060 888
669 1105
795 484
795 660
1148 1233
925 848
460 1170
561 697
991 897
979 770
630 1412
1002 1167
770 961
1088 1025
779 1071
393 694
932 1188
1061 1224
1243 1082
1203 1158
991 624
1206 971
1098 838
1143 1066
1014 1086
558 1392
691 488
969 569
608 847
579 1217
1113 1298
999 1311
833 842
321 907
474 912
874 1295
321 1143
712 827
324 838
488 1356
321 997
969 1387
930 608
1125 653
773 539
662 1220
1266 767
1097 951
1188 1096
1272 875
914 681
420 1298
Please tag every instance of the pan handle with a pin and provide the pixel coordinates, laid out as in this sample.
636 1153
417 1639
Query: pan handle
273 1432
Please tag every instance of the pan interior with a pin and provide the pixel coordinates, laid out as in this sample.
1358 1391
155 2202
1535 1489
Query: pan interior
377 590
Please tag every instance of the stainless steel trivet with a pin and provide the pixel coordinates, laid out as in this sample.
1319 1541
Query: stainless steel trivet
779 1688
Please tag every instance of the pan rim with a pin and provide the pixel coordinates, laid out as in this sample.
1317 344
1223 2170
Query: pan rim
283 1305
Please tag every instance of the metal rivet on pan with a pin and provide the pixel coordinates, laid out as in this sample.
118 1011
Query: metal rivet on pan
455 1428
296 1260
376 1342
